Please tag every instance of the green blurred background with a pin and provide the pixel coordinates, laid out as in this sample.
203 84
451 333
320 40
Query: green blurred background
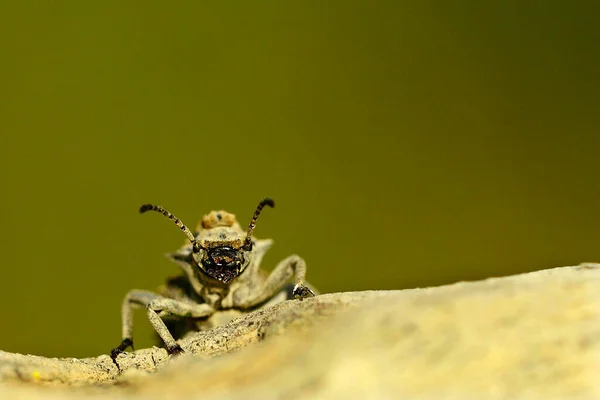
407 144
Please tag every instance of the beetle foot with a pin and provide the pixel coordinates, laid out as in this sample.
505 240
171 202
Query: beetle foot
301 292
114 353
175 350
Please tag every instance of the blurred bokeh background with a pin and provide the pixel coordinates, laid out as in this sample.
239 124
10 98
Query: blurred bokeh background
407 144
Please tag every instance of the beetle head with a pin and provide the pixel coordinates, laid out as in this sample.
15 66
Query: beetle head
220 249
222 262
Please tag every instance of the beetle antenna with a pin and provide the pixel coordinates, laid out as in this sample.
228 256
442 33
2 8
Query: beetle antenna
180 225
265 202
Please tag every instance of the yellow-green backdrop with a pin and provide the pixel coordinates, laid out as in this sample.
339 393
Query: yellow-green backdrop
406 144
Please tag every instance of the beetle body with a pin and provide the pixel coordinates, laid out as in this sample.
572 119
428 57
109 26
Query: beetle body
221 279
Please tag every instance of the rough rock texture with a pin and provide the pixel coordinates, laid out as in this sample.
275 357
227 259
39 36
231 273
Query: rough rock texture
531 336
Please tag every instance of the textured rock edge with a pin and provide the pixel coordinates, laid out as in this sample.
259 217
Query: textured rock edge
241 332
524 289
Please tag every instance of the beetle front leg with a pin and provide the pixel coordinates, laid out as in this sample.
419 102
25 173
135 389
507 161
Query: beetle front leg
133 299
157 307
162 307
294 266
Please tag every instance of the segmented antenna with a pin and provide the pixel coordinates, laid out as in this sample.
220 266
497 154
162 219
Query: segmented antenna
265 202
184 229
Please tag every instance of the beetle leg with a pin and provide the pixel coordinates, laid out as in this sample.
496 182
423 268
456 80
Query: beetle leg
162 307
291 266
157 307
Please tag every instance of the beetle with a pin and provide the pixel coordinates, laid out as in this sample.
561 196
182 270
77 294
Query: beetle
221 271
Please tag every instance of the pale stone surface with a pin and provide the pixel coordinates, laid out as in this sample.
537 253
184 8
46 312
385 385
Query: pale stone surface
531 336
